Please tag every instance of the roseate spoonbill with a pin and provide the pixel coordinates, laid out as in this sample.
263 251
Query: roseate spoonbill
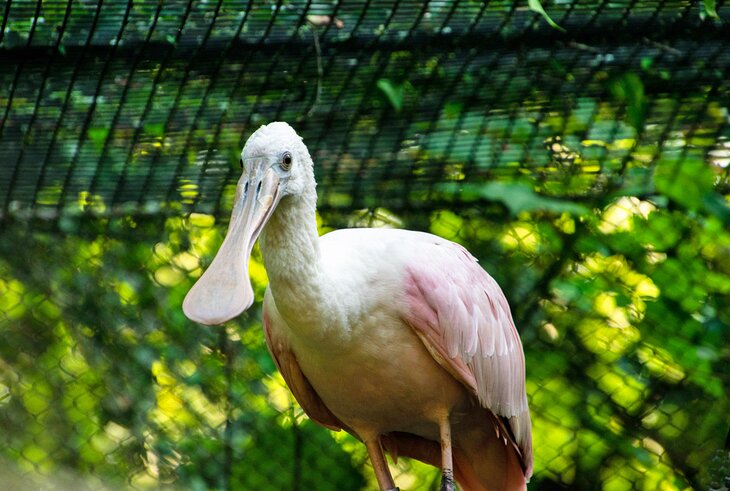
397 337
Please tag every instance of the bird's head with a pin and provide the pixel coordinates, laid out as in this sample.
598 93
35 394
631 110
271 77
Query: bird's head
275 164
276 147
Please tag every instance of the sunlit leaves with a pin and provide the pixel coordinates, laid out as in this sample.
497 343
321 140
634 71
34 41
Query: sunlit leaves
523 236
554 428
638 293
660 363
624 389
603 337
11 298
447 225
619 216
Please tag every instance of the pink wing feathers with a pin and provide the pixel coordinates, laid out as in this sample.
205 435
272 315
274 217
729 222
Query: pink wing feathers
463 318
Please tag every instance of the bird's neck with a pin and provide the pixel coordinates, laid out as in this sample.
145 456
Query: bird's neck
290 249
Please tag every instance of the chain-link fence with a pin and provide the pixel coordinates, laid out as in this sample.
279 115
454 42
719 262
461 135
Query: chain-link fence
586 165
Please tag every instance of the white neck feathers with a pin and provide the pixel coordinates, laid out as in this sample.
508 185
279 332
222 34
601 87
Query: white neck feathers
290 248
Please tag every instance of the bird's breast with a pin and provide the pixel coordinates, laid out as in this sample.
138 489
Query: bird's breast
381 379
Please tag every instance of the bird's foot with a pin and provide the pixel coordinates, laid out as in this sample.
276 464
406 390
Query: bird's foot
447 481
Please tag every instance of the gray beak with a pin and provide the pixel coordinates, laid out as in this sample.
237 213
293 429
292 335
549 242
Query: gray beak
224 290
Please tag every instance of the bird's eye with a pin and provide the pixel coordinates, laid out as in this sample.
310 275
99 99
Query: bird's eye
286 161
241 162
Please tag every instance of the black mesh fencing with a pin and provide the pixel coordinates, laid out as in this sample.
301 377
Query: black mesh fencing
585 165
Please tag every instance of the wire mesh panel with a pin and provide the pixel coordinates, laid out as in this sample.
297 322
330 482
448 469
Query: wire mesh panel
140 105
586 165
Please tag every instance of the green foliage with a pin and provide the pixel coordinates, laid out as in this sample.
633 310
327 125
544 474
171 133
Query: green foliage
394 93
622 303
623 312
517 197
536 6
629 89
711 8
103 374
688 182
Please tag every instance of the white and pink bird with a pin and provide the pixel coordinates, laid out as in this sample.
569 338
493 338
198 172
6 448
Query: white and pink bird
398 337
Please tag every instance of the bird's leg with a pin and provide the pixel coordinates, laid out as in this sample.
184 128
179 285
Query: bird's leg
447 458
380 466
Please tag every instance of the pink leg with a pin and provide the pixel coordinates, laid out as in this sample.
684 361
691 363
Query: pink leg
447 458
380 466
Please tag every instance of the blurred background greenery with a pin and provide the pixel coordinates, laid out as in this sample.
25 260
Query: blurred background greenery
579 148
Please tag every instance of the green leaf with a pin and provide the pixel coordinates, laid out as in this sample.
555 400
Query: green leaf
711 8
716 204
394 93
98 136
662 229
516 197
686 181
154 129
629 89
536 6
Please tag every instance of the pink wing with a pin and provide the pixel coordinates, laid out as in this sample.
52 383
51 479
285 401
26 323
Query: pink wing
463 318
303 391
